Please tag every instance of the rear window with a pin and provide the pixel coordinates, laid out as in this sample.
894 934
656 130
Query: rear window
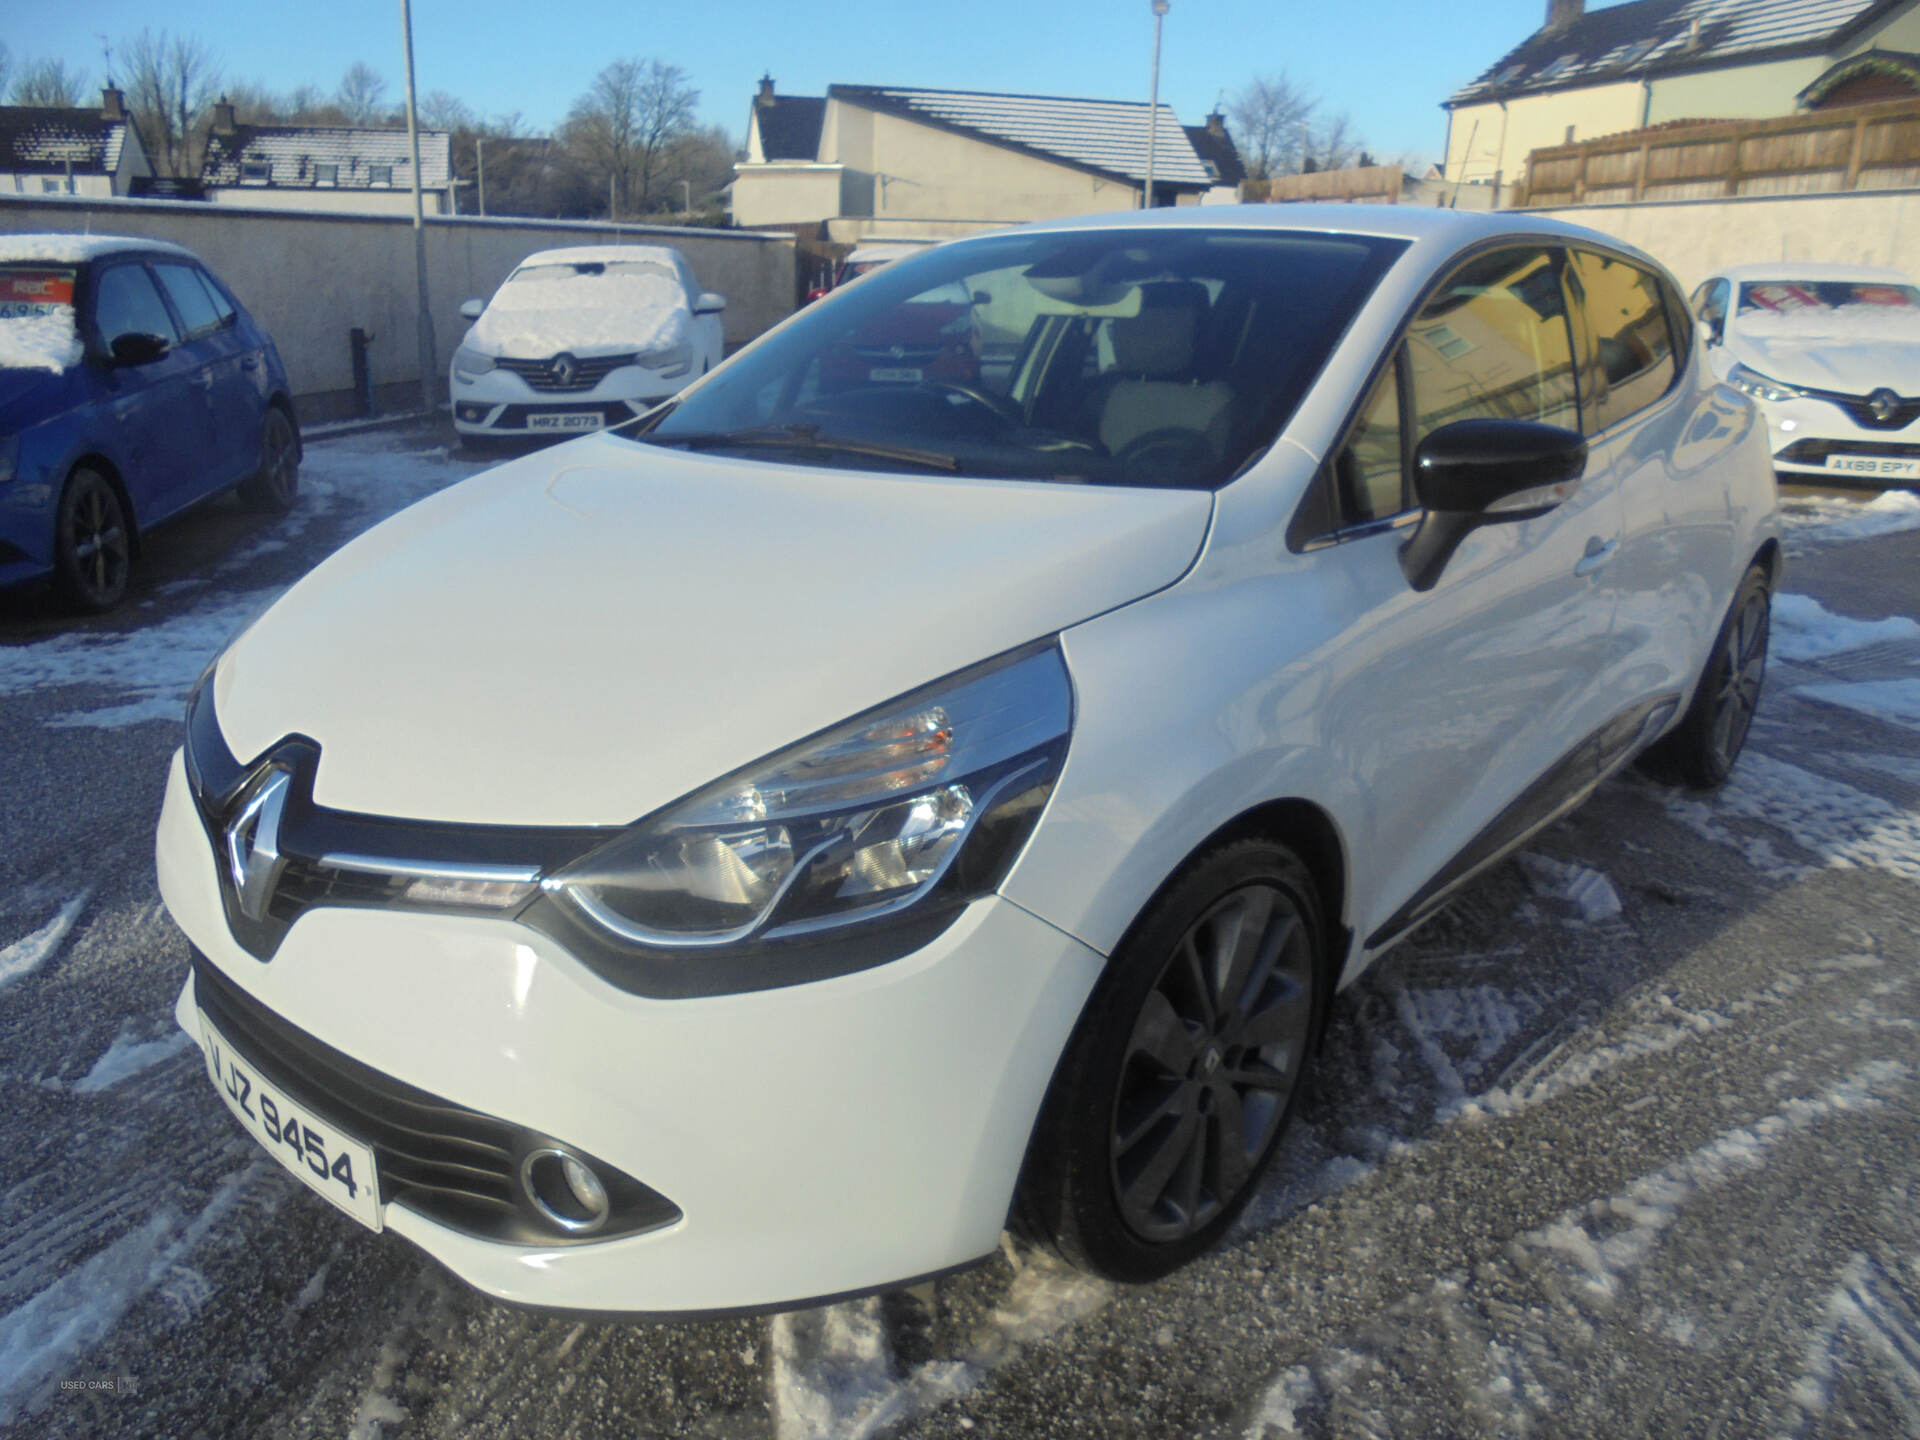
37 330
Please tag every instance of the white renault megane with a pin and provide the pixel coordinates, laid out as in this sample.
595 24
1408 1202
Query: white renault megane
747 857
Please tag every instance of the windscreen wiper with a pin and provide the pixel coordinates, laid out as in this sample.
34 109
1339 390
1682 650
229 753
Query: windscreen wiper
808 437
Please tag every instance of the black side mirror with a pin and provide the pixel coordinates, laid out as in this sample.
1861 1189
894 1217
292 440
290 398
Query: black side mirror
134 348
1485 472
981 297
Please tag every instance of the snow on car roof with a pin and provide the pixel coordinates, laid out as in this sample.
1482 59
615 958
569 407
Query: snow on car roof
1791 270
605 254
68 249
889 250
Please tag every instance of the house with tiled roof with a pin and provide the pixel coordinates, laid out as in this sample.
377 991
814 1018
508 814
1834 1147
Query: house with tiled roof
58 150
324 167
1585 74
873 161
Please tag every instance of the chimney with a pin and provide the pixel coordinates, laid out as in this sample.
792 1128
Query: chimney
113 102
765 97
1216 124
1562 13
223 116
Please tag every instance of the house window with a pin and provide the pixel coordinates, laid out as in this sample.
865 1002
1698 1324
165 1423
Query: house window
55 185
326 174
255 172
380 174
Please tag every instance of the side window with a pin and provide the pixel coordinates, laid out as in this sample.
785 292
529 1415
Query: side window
1493 342
1370 473
125 303
1630 364
190 299
1710 304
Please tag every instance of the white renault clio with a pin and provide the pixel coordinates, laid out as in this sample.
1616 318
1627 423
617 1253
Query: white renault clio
747 858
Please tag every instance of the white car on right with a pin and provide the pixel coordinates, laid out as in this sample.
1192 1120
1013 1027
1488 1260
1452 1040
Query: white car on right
1831 353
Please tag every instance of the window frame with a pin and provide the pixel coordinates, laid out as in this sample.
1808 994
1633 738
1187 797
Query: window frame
98 340
1316 522
1664 287
201 332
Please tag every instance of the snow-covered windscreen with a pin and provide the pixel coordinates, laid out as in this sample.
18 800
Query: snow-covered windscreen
586 307
1829 307
37 330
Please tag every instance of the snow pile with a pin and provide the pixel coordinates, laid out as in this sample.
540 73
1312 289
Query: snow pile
1886 514
1845 827
610 313
47 341
1895 701
126 1057
27 955
833 1378
1804 629
1588 891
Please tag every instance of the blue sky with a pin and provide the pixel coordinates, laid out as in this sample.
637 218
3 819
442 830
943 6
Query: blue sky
1388 63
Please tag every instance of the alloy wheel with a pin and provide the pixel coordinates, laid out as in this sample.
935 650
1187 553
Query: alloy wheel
97 541
1211 1063
1745 664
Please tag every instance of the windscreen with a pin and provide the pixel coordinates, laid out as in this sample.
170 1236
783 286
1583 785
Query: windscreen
37 330
1829 308
1161 358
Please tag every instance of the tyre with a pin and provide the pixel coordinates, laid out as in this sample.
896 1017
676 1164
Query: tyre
1699 752
1181 1075
92 542
276 484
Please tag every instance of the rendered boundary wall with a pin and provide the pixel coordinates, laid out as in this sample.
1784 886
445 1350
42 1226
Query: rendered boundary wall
310 277
1693 238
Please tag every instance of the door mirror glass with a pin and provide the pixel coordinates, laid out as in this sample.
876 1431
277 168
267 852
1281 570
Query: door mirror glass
135 348
471 309
709 303
1485 472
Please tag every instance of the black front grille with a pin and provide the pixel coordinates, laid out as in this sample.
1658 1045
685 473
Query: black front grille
897 354
1859 409
1815 452
584 372
458 1166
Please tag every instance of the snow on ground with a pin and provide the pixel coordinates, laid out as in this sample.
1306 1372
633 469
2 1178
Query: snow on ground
40 1340
1869 1307
127 1057
1587 890
150 667
1886 514
1597 1248
1804 629
1895 701
26 955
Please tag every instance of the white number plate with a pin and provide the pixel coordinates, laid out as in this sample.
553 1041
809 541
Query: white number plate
907 373
1869 465
27 309
336 1166
589 420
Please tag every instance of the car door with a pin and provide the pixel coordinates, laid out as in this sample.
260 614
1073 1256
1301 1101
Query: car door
1647 403
156 411
1466 712
235 412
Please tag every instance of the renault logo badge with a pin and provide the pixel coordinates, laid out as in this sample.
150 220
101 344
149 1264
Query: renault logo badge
1883 403
254 861
565 368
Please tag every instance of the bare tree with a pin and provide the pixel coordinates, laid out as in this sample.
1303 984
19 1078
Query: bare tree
702 160
1334 144
441 110
49 82
360 93
171 81
619 130
1269 114
6 66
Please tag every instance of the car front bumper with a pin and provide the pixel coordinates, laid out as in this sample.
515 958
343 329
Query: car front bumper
819 1140
1816 437
499 402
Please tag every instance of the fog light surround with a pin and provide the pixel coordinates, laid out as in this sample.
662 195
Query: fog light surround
564 1189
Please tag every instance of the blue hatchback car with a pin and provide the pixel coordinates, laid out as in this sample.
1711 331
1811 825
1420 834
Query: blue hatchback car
132 386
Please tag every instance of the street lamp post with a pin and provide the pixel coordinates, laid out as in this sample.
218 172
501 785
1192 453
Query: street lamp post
1153 106
424 326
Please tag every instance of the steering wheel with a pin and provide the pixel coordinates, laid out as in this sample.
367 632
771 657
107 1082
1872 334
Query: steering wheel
998 404
1171 448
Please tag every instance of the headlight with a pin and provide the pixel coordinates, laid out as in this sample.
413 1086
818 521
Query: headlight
471 364
667 363
936 792
1761 387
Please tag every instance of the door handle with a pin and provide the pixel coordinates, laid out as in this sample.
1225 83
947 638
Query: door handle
251 362
1599 552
